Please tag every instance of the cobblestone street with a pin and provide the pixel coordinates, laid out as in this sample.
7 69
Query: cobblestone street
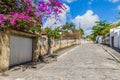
84 62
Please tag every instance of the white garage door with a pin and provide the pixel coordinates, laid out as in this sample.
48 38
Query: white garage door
20 49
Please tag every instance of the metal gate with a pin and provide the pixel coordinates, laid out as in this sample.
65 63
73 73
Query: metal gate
20 49
112 41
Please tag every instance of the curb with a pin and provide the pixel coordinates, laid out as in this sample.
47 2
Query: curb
67 52
110 53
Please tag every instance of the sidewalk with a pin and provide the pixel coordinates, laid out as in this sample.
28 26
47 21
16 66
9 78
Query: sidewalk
114 52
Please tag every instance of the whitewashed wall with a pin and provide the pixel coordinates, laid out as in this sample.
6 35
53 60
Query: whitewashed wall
116 37
111 35
115 32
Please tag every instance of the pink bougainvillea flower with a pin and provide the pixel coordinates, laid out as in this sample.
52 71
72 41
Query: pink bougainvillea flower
21 16
28 1
59 4
55 9
1 16
16 15
48 12
5 18
1 21
29 9
55 3
27 17
36 14
12 22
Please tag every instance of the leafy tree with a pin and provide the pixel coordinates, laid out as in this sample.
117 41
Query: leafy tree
53 33
74 33
69 26
72 26
56 33
91 36
102 28
80 32
106 30
96 30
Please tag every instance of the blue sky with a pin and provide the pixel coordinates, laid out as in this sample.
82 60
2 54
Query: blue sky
86 12
103 9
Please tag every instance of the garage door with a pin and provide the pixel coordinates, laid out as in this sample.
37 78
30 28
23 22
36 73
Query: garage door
20 49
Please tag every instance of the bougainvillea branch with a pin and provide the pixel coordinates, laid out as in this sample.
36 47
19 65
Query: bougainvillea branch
25 14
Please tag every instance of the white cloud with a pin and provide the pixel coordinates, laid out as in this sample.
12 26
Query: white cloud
118 8
62 18
86 21
113 1
63 15
88 32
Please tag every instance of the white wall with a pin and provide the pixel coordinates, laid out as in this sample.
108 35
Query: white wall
116 39
111 35
115 32
119 40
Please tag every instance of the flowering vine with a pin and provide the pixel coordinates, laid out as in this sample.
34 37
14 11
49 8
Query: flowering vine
34 15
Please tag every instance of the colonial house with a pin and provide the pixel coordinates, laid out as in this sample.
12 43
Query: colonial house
115 37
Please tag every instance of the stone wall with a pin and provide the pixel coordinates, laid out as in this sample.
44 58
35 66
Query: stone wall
36 49
39 49
63 44
56 46
44 47
4 50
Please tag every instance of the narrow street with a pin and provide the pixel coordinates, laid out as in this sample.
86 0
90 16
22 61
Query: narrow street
85 62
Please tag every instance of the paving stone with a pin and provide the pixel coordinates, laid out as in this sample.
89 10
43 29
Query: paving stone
85 62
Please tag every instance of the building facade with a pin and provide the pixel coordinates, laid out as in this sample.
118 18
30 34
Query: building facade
115 37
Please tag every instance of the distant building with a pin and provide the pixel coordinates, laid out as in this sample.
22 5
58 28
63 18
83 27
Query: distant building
106 40
99 39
